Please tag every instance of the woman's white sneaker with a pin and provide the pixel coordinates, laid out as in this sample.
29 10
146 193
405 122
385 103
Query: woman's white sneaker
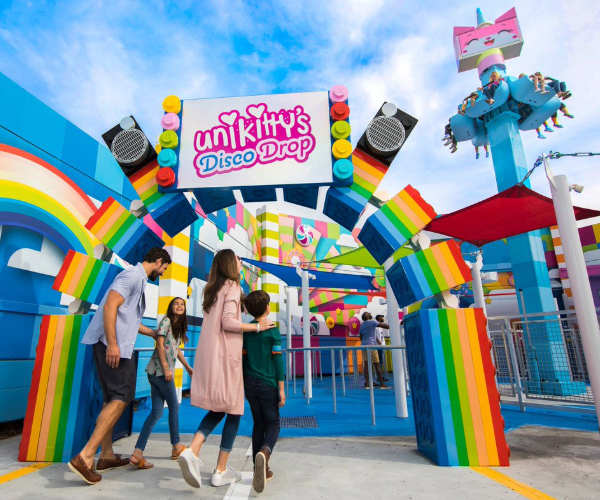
190 468
230 475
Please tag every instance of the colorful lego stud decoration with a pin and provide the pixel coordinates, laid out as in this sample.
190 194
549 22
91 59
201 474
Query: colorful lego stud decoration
395 223
429 272
500 40
330 322
374 153
84 277
122 232
305 235
129 146
172 104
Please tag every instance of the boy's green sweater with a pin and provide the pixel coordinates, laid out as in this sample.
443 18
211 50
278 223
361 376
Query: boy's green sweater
262 356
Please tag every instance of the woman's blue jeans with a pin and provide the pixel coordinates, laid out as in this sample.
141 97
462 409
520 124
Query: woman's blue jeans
161 391
230 429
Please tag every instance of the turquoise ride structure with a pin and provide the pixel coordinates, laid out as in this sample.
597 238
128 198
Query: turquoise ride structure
516 106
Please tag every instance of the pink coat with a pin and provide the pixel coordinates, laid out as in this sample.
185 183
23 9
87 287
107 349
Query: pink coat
218 380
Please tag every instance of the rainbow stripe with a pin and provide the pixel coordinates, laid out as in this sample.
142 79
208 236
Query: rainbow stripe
84 277
345 204
171 211
122 232
455 400
395 223
35 194
62 403
428 272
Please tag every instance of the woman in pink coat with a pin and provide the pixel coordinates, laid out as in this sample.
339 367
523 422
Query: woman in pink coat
217 383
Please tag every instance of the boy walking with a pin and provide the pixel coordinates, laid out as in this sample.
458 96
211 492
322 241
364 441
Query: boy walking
263 386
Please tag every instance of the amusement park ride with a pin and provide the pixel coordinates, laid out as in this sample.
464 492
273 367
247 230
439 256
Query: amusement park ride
301 142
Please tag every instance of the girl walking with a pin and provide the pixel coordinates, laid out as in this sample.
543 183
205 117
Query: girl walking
217 383
171 332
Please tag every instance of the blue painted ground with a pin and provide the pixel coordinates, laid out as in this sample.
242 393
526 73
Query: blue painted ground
354 415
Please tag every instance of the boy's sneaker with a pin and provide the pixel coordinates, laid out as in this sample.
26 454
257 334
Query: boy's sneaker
383 387
540 136
190 468
545 92
569 116
557 125
261 469
228 476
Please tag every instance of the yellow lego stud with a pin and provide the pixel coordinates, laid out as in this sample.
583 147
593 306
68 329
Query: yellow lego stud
172 104
341 149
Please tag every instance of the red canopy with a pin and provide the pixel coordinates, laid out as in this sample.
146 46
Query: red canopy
514 211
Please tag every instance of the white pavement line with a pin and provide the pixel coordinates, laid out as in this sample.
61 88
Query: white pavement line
249 452
241 490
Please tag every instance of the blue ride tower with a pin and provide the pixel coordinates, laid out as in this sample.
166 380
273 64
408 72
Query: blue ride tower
516 106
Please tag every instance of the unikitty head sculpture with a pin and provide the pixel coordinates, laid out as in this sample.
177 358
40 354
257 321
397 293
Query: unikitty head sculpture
471 43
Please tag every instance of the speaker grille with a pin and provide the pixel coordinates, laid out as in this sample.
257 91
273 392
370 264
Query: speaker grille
129 145
385 134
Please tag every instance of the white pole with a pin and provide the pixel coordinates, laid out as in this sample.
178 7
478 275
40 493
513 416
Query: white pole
578 278
306 332
478 295
397 357
288 320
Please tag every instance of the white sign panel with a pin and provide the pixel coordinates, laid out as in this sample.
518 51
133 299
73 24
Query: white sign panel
272 140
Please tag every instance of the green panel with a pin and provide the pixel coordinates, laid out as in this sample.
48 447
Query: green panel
457 419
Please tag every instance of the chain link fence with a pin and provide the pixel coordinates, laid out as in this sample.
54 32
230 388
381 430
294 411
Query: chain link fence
540 358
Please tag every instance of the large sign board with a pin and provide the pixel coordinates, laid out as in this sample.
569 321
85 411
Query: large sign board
275 140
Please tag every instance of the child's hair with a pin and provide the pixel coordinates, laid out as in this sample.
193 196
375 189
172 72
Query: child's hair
494 73
256 303
179 326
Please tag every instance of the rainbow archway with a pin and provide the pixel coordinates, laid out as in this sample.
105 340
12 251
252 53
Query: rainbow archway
37 196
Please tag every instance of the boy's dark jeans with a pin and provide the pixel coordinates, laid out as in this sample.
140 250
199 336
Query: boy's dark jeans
264 404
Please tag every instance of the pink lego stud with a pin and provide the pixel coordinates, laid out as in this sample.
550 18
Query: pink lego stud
338 93
170 121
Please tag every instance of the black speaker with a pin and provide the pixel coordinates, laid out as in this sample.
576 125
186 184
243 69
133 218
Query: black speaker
386 133
129 145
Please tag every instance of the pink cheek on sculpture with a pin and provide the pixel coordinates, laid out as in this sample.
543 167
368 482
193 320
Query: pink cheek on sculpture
464 51
515 36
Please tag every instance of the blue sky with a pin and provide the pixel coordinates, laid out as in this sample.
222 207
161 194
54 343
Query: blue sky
97 61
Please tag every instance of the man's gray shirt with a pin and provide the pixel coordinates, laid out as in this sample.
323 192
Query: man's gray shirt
368 331
130 284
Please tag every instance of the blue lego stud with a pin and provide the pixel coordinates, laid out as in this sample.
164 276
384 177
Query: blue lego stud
167 158
378 240
175 215
259 194
342 208
212 200
305 197
398 280
143 240
343 170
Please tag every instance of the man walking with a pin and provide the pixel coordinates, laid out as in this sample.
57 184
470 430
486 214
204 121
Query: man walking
368 334
112 332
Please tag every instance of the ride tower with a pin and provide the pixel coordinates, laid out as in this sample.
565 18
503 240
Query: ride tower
515 106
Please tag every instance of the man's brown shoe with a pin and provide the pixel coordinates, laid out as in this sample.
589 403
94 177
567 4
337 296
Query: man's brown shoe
106 464
90 476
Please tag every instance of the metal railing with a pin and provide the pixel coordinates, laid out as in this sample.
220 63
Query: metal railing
352 355
540 361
